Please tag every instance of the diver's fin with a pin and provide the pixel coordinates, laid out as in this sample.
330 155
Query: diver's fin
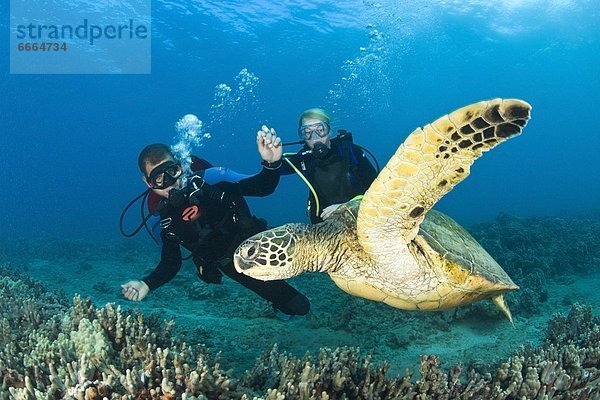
499 301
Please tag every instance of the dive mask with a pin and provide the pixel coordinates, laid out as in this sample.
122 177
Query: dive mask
321 129
164 175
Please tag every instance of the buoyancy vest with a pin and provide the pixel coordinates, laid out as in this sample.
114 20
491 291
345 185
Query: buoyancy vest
334 178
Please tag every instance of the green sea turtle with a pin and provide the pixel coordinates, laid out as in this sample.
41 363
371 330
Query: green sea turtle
391 246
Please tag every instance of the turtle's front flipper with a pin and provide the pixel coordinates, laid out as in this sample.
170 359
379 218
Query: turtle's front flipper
430 162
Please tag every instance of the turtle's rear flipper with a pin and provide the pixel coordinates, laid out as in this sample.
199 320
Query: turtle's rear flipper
499 301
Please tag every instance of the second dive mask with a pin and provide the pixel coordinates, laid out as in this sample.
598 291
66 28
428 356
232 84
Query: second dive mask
319 129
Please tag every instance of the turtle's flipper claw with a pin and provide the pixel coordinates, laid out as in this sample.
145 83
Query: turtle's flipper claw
499 301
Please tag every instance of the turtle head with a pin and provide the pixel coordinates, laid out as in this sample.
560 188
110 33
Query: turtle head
271 254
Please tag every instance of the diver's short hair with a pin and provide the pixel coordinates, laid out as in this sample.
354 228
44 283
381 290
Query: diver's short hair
317 113
152 154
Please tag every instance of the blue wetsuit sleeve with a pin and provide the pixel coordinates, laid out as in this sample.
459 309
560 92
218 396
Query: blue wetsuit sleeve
219 174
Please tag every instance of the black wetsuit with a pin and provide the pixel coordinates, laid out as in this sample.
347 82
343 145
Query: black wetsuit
214 236
343 174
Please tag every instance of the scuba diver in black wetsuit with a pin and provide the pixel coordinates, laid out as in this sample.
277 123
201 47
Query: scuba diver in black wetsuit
335 169
210 221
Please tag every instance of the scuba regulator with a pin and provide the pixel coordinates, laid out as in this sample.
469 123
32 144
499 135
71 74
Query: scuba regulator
198 192
320 150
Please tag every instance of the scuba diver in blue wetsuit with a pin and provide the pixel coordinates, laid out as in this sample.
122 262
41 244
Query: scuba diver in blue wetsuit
335 169
209 219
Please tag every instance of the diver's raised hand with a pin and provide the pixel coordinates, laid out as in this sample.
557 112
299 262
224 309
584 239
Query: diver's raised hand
135 290
269 144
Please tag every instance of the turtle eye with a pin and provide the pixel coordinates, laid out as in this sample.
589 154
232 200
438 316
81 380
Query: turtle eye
250 250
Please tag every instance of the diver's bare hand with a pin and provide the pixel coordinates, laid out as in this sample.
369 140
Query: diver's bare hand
135 290
269 144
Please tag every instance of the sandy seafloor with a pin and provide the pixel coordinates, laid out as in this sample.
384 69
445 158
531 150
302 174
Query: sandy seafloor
231 319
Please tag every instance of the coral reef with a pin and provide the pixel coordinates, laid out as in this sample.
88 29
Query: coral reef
49 350
84 352
566 366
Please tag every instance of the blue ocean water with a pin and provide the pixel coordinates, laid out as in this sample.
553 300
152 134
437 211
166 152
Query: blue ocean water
69 143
